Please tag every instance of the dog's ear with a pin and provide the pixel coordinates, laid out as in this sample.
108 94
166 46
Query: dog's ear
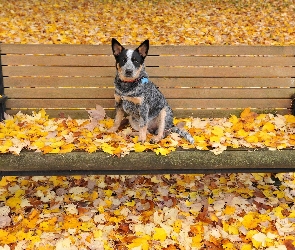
143 48
116 47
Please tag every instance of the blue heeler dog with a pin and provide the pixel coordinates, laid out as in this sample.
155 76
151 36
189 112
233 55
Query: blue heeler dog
136 95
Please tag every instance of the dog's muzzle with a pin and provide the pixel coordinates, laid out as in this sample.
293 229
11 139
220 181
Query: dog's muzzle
128 73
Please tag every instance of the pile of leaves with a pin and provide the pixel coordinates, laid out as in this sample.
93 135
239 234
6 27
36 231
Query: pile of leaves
62 135
230 211
188 22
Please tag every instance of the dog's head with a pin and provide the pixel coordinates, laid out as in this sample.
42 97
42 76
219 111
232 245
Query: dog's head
129 63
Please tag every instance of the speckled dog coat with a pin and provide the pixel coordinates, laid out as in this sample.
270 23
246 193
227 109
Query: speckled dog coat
136 95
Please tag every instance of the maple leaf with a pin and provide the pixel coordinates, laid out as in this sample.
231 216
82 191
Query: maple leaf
97 114
5 221
139 147
164 151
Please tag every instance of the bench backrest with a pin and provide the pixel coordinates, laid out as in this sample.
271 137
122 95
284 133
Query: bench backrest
196 80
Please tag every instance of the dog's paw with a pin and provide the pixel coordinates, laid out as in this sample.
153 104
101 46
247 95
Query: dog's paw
141 138
155 139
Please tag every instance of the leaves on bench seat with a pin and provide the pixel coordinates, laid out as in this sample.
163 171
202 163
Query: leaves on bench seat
62 135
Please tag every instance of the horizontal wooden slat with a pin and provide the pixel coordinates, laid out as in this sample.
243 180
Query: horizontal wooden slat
218 61
58 71
222 50
154 50
73 93
161 82
180 113
59 103
55 49
59 81
175 103
198 93
86 60
160 72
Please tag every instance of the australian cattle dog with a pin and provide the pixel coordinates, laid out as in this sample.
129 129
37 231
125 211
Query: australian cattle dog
135 94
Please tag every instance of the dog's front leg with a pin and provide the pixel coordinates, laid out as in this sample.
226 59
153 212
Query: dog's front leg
119 114
161 125
143 122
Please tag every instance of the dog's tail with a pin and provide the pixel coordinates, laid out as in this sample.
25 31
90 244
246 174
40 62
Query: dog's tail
183 133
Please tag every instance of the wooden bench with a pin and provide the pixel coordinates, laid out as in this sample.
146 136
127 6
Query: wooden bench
201 81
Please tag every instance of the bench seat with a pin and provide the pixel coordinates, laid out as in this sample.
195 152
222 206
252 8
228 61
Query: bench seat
198 81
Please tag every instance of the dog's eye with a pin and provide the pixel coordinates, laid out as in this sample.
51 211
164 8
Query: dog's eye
134 60
124 59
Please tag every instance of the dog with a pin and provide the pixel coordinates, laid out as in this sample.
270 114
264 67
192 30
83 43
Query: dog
139 98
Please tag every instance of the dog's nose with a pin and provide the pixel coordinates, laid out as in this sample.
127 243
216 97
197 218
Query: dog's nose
128 72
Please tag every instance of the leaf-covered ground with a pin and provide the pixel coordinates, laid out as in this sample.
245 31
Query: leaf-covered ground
234 211
162 21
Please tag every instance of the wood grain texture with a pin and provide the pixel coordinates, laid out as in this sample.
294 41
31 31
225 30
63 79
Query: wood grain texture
174 103
165 82
169 93
151 61
154 50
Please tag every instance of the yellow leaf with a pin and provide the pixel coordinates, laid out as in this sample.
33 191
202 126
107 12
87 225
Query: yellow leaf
246 247
92 148
228 246
55 151
242 133
177 226
97 234
278 212
39 144
233 230
130 203
233 119
42 112
107 148
159 234
13 202
214 139
139 147
290 118
196 241
218 131
229 210
46 149
108 192
6 237
67 148
251 139
164 151
141 242
269 127
250 221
